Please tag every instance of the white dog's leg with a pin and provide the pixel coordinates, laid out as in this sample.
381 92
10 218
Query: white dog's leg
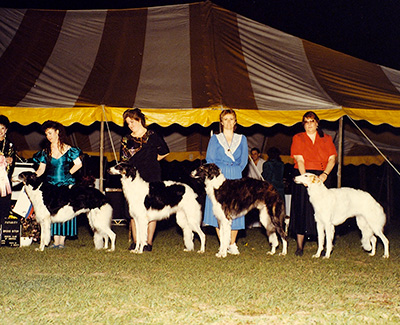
385 242
100 222
194 223
330 232
373 245
195 227
105 239
265 220
366 234
378 231
106 215
273 240
369 240
202 237
141 224
45 232
181 220
98 240
321 239
224 237
284 247
111 235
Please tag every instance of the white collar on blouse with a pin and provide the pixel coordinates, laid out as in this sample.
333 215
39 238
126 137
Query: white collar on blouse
229 149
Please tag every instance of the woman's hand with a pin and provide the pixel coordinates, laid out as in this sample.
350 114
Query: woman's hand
323 177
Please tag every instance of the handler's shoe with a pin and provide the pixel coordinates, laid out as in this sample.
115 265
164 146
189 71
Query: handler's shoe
233 250
132 246
147 248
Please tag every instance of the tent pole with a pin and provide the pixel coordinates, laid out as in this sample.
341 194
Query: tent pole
101 151
340 154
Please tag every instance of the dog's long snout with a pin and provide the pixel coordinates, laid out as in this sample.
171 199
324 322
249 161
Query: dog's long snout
113 171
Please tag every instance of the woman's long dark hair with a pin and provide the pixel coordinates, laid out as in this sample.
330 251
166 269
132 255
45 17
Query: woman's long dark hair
311 114
62 135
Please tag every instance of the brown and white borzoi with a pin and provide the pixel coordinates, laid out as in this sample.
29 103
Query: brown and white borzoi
234 198
334 206
157 201
53 203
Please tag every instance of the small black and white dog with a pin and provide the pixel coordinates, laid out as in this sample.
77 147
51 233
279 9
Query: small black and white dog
236 197
53 203
157 201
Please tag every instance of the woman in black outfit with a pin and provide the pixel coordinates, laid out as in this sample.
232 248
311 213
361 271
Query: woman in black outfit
143 149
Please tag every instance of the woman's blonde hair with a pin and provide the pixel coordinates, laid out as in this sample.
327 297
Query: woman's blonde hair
227 112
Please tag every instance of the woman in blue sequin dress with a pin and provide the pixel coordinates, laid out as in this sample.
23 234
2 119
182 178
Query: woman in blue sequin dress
58 162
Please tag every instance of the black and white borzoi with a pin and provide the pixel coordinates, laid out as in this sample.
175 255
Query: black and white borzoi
157 201
334 206
53 203
234 198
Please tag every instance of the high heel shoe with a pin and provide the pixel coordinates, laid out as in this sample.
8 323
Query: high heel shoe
299 252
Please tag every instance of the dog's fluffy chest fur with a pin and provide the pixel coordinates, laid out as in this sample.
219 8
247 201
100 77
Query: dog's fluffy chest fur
36 197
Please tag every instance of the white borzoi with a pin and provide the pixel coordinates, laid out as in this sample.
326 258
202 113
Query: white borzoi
234 198
53 203
333 206
157 201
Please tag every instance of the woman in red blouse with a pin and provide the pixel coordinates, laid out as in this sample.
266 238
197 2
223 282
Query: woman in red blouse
314 152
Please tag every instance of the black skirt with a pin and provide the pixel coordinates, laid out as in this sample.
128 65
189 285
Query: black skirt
302 221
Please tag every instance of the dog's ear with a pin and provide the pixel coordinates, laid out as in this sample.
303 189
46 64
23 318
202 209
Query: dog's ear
33 180
129 171
315 179
213 171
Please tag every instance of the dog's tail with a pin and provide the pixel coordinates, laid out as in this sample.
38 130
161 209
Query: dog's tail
278 216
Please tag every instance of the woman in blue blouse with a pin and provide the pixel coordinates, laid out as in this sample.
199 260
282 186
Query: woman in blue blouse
228 150
59 162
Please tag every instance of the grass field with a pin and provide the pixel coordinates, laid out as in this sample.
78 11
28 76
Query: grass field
169 286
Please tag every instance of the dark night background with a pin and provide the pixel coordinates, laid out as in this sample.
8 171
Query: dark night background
366 29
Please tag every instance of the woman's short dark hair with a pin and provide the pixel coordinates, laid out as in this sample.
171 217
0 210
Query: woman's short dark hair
135 114
255 149
4 121
311 114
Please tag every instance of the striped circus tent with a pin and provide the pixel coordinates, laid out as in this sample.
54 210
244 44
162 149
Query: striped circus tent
181 64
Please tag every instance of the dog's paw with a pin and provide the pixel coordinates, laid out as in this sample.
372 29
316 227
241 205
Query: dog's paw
110 250
316 256
220 255
283 254
200 251
385 256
